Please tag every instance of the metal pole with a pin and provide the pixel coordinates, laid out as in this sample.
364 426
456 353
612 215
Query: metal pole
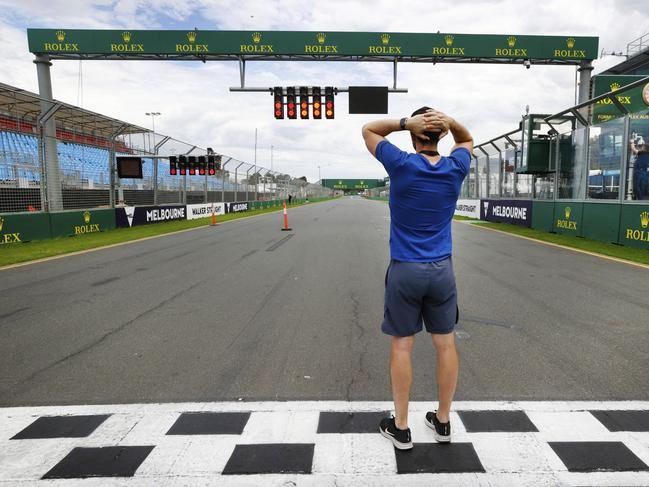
247 182
54 190
236 183
223 180
255 164
271 158
585 71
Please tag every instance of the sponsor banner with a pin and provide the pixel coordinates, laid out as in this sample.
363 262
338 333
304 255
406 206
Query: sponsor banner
634 226
636 101
134 44
24 227
468 208
73 223
204 210
130 216
236 207
518 212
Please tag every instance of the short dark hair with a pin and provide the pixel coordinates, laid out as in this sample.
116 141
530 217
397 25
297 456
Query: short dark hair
432 136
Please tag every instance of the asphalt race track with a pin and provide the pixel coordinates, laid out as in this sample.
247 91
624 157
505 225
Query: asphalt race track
245 311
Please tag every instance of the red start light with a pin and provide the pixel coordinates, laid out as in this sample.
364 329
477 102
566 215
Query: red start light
278 113
173 171
291 105
212 172
201 172
278 105
304 113
183 172
329 105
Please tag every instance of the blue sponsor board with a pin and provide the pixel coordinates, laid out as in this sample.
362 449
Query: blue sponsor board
517 212
130 216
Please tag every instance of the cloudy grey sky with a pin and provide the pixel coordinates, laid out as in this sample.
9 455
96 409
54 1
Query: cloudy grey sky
197 107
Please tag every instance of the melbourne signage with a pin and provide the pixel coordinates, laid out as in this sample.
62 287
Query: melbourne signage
88 226
468 208
131 216
635 100
518 212
641 232
6 236
236 207
437 47
204 210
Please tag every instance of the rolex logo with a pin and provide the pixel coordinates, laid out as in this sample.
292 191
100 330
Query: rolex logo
256 37
191 36
448 39
385 39
60 35
126 37
321 37
2 222
567 211
511 41
86 217
615 86
644 220
570 42
362 182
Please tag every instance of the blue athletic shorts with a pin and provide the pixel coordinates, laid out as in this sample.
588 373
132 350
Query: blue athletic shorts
419 293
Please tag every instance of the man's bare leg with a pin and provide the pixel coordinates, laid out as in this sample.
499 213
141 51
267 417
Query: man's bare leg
401 377
447 371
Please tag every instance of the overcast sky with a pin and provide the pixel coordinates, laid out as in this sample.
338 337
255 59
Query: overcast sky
197 107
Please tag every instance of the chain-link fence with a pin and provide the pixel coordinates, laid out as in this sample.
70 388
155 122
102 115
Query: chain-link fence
84 175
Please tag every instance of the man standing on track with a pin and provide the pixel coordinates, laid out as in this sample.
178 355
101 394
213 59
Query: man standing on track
420 283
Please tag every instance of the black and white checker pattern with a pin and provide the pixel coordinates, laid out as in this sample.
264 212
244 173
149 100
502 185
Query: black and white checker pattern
324 443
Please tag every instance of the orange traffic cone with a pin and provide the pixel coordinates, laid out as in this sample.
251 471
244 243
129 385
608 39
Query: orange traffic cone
286 227
213 217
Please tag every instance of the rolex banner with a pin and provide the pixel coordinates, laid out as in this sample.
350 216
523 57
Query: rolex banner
517 212
213 44
205 210
130 216
236 207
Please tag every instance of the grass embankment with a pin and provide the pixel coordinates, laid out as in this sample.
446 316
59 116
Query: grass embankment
23 252
612 250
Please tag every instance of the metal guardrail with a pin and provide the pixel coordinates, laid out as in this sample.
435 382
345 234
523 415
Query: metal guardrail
638 45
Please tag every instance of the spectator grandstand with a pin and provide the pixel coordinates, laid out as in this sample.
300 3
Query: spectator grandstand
83 160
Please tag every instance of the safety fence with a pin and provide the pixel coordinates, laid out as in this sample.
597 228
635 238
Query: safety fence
32 226
41 173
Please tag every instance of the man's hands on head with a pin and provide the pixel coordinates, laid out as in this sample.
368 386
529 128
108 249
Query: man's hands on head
431 121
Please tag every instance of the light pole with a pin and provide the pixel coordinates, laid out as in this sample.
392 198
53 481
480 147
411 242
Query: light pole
271 158
153 115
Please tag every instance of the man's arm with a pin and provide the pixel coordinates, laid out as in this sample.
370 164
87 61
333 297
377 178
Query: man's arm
377 131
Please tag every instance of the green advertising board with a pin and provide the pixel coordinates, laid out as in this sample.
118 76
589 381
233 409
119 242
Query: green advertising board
24 227
634 226
208 44
568 218
635 100
350 184
73 223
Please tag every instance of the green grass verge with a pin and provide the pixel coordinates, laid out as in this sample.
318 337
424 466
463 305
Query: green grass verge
612 250
464 218
23 252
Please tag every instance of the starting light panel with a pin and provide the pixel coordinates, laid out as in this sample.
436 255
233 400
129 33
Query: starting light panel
173 165
202 165
291 106
317 102
329 102
213 164
182 165
279 102
192 165
304 102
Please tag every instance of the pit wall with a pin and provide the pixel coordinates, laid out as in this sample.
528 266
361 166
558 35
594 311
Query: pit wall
33 226
623 224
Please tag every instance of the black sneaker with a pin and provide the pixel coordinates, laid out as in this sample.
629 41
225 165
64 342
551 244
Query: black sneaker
400 438
442 430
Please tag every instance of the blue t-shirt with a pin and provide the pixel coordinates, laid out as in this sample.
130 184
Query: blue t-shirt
422 201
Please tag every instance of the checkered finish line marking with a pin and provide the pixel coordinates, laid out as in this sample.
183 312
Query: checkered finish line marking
323 443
